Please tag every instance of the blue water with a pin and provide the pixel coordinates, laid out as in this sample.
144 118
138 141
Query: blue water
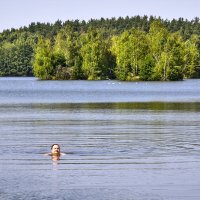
123 140
30 90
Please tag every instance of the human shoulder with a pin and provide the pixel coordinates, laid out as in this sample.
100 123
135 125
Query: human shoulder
48 154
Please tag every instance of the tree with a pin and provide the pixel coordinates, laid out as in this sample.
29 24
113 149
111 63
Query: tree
43 65
146 69
170 63
191 56
95 54
67 43
130 49
157 37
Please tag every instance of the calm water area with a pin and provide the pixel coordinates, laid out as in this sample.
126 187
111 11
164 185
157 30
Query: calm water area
123 140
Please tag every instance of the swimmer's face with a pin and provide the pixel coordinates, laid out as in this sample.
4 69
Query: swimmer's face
55 150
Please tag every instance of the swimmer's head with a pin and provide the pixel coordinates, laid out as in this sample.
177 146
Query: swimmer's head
55 150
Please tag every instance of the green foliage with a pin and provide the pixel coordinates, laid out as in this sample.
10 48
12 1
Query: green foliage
95 54
43 65
16 57
48 64
175 73
77 72
67 43
157 37
191 56
146 69
129 48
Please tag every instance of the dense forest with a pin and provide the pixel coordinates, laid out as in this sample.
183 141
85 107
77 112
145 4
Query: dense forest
131 48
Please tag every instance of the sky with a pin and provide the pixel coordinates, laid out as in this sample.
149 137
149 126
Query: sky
19 13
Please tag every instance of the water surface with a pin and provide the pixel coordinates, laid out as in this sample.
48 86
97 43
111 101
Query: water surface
124 140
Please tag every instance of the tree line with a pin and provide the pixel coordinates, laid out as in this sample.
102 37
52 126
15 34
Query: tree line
136 48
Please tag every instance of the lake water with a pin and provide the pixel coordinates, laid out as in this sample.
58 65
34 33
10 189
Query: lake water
124 140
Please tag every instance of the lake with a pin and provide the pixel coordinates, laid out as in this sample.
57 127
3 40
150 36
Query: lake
123 140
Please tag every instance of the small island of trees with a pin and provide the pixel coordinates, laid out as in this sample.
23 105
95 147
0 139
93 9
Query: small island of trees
136 48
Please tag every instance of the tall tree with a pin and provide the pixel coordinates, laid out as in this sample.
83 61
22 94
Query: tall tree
42 65
130 49
95 54
191 56
157 38
68 44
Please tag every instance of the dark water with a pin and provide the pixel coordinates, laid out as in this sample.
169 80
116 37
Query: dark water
124 140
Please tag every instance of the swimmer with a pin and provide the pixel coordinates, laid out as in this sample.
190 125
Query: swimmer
55 152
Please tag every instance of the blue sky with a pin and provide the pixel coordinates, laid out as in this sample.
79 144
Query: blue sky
17 13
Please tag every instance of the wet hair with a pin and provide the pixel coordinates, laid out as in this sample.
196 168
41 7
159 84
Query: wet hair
54 145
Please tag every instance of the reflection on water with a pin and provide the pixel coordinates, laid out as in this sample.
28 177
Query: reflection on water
135 150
